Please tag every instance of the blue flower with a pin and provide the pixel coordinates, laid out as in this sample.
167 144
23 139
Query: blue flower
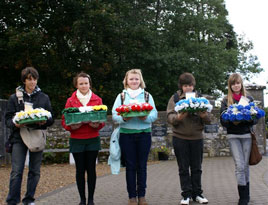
247 107
225 116
260 113
252 104
247 117
239 113
239 116
232 117
240 107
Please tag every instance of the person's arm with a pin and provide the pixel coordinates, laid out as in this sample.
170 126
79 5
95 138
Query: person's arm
66 127
48 107
173 117
205 117
153 114
11 111
222 110
117 118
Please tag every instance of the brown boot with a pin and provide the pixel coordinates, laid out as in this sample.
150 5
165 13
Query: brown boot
132 201
142 201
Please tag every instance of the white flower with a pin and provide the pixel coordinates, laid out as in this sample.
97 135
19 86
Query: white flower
86 109
35 113
209 107
235 110
193 104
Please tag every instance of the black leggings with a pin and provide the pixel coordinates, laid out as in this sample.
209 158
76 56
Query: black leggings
85 161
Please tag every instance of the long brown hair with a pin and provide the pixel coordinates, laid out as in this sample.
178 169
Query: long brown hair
235 77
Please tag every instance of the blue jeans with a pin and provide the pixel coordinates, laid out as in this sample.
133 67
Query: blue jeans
135 148
240 148
189 154
17 161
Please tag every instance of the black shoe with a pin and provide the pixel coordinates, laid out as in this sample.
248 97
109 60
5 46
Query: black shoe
90 202
82 203
243 196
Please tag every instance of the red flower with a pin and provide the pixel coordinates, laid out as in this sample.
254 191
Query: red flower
150 108
122 108
146 107
118 109
133 107
127 109
136 107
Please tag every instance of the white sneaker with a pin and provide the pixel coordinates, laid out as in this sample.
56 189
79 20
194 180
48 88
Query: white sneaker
185 201
201 200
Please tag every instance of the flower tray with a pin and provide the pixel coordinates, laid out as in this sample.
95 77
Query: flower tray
32 120
135 114
192 110
78 117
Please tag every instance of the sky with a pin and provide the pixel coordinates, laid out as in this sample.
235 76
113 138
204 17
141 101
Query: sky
249 17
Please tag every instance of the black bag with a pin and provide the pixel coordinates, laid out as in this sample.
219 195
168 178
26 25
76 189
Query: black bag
8 145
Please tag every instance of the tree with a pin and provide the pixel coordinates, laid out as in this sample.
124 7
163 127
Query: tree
105 38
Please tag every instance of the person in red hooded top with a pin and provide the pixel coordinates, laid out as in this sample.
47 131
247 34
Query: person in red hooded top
84 139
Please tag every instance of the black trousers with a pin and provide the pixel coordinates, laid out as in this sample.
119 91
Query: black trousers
85 162
189 154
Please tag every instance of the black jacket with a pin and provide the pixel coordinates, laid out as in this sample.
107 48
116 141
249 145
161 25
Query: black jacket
241 128
39 100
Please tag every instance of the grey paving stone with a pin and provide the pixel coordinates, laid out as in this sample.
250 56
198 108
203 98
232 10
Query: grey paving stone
163 188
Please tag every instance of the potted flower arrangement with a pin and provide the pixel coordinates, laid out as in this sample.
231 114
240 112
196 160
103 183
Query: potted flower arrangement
161 153
134 110
237 113
31 116
76 115
193 105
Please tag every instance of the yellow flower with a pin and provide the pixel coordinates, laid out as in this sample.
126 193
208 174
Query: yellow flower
99 107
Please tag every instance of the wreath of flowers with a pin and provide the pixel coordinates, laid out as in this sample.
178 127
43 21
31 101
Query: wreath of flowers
33 114
193 105
134 108
237 112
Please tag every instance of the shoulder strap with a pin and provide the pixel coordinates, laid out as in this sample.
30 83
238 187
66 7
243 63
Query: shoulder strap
176 97
19 95
146 96
122 98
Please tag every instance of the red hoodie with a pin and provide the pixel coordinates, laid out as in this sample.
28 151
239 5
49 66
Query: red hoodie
85 131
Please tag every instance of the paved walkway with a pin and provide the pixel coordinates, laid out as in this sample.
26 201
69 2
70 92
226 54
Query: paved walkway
219 185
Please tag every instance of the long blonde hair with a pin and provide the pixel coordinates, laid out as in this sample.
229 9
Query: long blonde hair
235 77
134 71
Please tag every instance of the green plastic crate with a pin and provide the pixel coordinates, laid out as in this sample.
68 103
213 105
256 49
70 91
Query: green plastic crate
78 117
32 120
136 114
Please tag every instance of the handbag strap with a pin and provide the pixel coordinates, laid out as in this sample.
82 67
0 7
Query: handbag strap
253 135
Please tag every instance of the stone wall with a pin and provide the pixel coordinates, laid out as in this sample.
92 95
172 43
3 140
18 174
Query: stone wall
215 143
4 133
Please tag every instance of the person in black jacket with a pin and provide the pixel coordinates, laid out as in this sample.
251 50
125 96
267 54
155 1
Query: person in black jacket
239 136
31 94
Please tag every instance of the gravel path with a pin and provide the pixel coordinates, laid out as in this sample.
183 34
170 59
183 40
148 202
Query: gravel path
53 177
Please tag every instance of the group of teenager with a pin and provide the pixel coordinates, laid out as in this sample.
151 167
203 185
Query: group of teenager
134 140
